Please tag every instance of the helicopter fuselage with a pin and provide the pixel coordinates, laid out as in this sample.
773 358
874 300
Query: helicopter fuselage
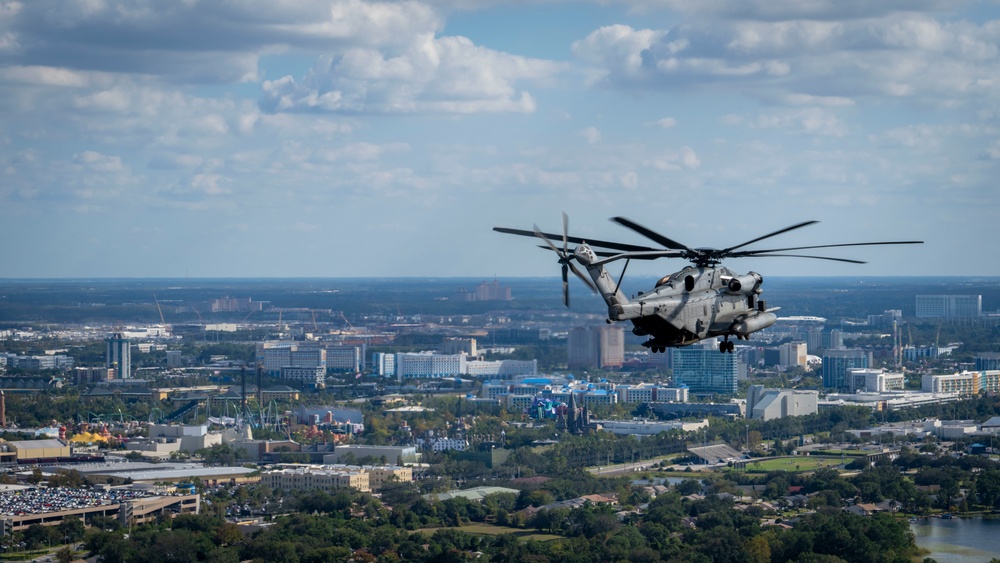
686 306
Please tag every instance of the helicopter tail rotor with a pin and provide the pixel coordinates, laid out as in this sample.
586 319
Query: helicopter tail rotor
566 257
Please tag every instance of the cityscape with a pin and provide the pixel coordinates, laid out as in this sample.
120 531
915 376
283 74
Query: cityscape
451 281
483 393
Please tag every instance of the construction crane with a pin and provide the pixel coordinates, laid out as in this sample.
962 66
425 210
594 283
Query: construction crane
347 322
159 310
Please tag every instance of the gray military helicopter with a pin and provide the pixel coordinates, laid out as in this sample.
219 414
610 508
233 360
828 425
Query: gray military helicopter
703 300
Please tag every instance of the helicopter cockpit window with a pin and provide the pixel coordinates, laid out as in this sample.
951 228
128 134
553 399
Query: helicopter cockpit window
689 283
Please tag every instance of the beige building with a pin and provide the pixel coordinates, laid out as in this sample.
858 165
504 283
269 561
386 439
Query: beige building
381 474
793 354
965 383
311 478
39 449
331 477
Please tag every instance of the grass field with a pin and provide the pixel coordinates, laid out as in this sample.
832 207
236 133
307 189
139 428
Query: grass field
793 464
482 529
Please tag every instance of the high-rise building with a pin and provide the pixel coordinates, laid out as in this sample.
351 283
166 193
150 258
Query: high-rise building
837 362
704 370
595 347
272 356
384 364
792 354
492 291
949 306
426 364
119 355
815 339
344 358
987 360
886 319
836 339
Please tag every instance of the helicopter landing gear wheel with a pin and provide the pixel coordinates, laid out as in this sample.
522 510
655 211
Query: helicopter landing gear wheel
722 346
730 346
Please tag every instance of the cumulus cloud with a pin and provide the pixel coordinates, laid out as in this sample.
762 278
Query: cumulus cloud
97 162
927 137
813 121
629 180
777 10
591 134
447 74
801 61
666 122
993 151
673 161
198 41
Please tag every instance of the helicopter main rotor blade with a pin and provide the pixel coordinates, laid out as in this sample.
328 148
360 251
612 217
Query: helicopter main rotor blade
756 252
801 256
576 240
653 255
769 235
650 234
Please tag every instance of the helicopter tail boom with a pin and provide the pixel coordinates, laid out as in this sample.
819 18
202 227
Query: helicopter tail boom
619 307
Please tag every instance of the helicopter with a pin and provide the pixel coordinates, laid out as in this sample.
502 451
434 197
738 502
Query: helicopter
702 300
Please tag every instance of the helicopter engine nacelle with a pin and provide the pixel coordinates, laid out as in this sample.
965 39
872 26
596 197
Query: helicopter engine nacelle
744 285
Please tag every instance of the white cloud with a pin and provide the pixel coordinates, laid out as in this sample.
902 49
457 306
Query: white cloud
591 134
97 162
812 121
629 180
43 76
806 61
674 161
778 10
666 122
993 151
447 74
200 41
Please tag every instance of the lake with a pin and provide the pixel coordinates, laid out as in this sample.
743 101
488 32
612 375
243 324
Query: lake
958 540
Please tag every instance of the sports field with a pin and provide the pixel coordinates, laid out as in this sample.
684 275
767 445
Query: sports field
793 464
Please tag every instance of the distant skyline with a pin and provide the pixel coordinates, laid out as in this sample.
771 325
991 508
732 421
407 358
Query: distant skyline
385 139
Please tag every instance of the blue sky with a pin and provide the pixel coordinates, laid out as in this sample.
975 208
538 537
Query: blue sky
319 138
